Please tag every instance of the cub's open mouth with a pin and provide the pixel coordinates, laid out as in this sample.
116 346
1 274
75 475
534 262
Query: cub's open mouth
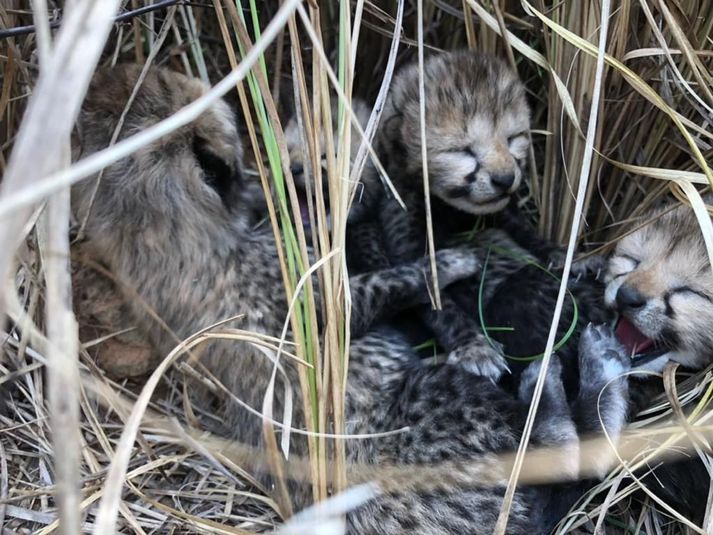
641 348
304 207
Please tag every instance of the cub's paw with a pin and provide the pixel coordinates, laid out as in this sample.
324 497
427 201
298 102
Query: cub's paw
601 356
590 266
555 259
480 358
454 265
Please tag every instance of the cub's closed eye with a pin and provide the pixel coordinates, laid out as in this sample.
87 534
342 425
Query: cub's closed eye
634 261
687 290
468 151
519 135
620 265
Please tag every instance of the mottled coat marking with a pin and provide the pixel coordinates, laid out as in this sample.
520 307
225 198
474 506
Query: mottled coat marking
169 222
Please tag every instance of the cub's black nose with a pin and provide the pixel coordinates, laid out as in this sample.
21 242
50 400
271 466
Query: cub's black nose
504 180
628 297
297 169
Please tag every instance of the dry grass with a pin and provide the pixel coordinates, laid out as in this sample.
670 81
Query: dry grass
653 136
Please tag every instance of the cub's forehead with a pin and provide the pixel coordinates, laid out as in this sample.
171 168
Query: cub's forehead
650 241
672 241
459 76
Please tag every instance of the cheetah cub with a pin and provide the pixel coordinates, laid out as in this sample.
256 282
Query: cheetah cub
365 251
301 165
659 280
456 417
477 122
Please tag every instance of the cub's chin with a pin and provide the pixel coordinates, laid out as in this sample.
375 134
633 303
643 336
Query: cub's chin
479 208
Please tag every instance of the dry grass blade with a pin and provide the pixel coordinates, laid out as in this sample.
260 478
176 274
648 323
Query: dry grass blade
65 74
692 59
325 517
62 356
435 291
44 40
702 215
115 479
360 160
4 487
638 84
700 72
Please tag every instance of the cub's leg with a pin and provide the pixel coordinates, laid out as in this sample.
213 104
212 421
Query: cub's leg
379 294
603 399
554 426
461 336
456 330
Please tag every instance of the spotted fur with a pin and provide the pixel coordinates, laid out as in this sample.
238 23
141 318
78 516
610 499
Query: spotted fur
168 222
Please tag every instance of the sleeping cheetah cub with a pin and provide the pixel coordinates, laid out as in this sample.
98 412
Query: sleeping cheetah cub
477 121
